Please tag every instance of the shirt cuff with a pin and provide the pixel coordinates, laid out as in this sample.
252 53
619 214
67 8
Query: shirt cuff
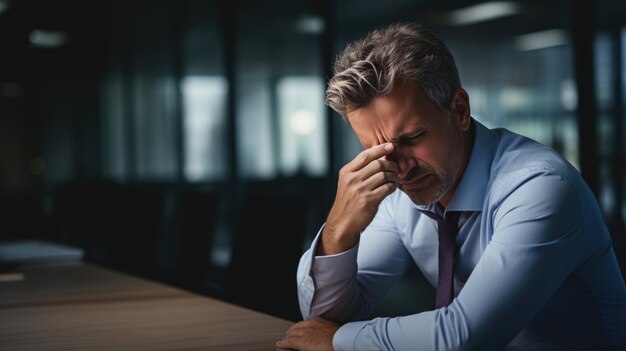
334 268
345 337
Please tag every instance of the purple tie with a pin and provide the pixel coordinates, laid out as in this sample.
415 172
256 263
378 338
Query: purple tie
448 229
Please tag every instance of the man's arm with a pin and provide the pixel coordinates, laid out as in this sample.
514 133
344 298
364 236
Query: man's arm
328 286
536 244
363 184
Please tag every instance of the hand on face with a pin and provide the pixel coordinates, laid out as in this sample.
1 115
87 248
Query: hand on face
315 334
363 184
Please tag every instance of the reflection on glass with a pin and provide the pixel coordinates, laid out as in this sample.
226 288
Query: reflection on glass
604 78
204 127
621 207
528 90
302 126
114 133
155 124
254 129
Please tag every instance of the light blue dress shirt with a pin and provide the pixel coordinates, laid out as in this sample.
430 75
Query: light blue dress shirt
535 267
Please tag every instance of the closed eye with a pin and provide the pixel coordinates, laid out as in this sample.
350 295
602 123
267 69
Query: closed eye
413 139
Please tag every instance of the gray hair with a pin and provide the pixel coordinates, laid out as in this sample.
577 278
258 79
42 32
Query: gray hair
370 67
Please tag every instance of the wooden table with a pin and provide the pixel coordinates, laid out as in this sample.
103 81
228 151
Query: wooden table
82 307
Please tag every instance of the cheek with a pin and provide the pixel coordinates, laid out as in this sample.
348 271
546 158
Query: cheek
425 154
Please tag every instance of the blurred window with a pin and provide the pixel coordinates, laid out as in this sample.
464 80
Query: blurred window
204 88
281 128
114 129
610 80
302 125
204 127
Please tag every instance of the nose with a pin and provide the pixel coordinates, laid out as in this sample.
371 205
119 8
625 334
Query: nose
404 161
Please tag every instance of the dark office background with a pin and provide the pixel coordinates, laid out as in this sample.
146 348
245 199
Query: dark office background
187 141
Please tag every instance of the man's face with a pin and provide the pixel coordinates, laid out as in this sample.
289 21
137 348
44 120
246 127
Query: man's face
430 148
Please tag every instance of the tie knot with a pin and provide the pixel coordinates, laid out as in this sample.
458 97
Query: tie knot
441 216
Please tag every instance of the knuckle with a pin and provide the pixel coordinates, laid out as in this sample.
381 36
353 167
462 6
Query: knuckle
349 179
390 187
288 341
343 171
362 203
364 157
358 184
382 177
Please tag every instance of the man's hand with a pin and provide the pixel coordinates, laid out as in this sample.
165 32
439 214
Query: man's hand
314 334
363 184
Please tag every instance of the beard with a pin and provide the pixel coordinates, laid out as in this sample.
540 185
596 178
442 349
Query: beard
431 188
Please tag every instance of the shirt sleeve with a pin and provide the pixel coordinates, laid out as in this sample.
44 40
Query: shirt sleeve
535 245
347 286
322 271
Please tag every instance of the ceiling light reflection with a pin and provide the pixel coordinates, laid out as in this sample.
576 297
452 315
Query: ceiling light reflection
540 40
483 12
4 5
47 39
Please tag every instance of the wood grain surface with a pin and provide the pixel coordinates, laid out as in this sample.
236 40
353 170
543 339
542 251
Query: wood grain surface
83 307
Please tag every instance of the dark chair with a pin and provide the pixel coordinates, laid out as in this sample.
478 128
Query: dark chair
193 225
156 230
21 215
74 205
118 225
134 225
270 230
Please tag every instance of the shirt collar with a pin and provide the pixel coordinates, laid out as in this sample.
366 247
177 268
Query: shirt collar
470 193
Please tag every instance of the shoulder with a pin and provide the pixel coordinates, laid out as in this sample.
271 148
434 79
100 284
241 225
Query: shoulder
526 174
519 160
532 183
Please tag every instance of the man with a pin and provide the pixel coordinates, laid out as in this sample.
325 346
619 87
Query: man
504 227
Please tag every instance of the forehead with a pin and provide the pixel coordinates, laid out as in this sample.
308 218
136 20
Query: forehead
405 110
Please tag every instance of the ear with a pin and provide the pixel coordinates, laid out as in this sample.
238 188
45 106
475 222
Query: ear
460 109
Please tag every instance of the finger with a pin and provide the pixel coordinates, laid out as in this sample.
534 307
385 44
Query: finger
381 178
290 342
383 191
293 327
378 166
285 343
302 324
369 155
296 332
